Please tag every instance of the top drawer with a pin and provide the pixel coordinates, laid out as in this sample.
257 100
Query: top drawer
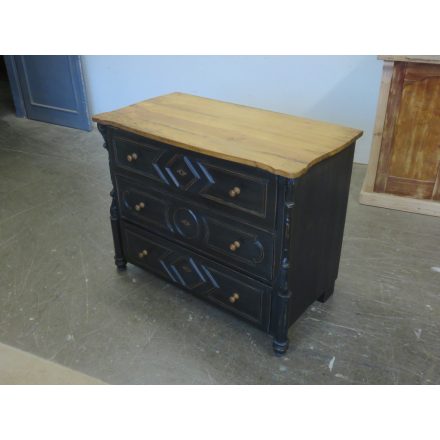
239 189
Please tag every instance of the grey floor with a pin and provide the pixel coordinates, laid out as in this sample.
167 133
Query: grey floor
61 298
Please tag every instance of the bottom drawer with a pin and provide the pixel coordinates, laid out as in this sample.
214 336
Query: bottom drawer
235 292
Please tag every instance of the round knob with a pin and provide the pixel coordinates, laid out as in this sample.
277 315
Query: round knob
234 246
234 297
234 191
143 253
131 157
139 206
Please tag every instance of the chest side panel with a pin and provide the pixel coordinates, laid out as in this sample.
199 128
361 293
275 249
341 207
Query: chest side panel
317 230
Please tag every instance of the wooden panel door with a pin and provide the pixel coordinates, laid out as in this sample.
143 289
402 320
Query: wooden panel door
409 161
53 90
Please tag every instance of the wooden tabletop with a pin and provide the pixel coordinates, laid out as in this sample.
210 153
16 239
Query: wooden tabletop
279 143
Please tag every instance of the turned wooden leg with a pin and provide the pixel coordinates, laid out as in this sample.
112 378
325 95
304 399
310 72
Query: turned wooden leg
280 342
120 261
280 346
327 293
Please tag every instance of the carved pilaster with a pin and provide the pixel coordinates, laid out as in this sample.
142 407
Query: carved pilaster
103 130
283 294
120 261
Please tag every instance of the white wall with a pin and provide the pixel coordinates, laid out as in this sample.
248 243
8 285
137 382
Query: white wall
339 89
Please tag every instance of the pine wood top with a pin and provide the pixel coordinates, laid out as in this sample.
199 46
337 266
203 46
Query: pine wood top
279 143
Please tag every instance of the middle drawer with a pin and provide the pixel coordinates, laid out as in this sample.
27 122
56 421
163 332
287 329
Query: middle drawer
238 246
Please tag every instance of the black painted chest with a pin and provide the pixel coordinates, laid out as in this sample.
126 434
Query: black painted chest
259 245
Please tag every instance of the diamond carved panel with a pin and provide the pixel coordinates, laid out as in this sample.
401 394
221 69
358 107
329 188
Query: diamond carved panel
190 274
182 172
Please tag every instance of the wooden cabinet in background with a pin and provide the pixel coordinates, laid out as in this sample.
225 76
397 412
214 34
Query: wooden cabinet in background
404 168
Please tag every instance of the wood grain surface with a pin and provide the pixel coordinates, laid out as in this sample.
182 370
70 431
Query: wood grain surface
279 143
410 152
370 176
393 106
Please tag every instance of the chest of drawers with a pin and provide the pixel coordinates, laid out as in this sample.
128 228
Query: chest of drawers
242 207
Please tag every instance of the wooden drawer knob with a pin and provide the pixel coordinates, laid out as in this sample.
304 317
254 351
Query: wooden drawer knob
234 191
234 297
234 246
131 157
139 206
143 253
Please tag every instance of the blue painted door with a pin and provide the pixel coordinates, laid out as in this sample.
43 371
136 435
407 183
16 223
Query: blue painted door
53 89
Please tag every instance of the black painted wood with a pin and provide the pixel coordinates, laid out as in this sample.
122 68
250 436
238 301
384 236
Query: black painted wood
203 230
120 261
319 219
237 293
172 214
315 206
281 291
196 177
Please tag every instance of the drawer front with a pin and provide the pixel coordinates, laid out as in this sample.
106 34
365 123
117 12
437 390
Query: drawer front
138 157
242 247
239 189
232 291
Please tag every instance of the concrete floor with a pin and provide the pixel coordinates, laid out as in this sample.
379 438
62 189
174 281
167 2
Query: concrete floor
62 299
